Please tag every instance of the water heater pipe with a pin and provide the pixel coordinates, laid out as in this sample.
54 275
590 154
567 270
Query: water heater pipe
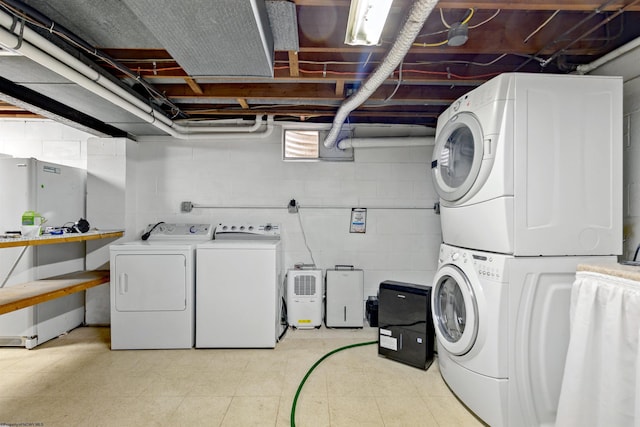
419 13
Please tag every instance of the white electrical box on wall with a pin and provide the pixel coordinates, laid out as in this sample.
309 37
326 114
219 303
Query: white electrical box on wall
345 297
305 291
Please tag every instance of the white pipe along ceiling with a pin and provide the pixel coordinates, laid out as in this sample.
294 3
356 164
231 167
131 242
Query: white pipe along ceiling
382 142
33 46
419 13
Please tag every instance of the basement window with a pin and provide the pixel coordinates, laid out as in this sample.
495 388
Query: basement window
301 144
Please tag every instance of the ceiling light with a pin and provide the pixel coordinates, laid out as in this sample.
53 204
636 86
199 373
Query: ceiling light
366 21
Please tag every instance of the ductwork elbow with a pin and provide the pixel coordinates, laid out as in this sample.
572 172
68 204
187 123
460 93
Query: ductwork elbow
419 13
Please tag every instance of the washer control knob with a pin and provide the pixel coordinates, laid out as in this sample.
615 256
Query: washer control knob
455 256
233 227
242 228
267 227
251 228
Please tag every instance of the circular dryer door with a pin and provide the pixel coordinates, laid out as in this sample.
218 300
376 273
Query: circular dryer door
457 157
455 311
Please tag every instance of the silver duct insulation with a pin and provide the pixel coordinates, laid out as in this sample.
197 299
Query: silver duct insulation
419 13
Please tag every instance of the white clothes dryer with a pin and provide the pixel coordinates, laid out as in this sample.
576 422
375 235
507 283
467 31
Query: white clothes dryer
502 327
531 164
153 288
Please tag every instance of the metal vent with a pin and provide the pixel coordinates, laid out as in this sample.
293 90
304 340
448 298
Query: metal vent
221 38
305 285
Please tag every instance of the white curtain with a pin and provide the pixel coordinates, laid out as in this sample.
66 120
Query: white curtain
601 383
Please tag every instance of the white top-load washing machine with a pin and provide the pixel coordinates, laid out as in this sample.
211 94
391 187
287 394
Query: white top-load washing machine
531 164
502 326
239 287
153 287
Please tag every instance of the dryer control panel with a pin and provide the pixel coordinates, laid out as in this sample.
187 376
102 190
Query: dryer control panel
169 231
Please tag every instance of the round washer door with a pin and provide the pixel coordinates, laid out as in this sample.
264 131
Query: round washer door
457 157
455 310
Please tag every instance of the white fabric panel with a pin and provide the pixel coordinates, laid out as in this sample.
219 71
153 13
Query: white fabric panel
601 385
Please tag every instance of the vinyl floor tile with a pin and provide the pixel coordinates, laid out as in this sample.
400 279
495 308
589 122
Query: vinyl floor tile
76 380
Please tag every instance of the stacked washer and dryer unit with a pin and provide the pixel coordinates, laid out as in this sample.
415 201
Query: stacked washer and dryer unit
528 168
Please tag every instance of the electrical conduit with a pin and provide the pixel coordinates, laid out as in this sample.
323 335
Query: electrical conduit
419 13
50 56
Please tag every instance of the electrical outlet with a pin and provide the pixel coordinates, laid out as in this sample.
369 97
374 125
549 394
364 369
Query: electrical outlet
293 206
186 207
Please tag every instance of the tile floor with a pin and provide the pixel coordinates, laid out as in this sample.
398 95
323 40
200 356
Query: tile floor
76 380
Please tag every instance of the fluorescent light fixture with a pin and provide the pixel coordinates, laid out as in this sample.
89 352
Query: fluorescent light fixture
366 21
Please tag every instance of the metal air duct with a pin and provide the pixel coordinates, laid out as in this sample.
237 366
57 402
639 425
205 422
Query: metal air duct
419 13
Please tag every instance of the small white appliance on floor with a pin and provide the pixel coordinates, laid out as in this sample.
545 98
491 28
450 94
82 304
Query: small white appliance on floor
153 288
239 287
531 164
344 297
502 325
305 291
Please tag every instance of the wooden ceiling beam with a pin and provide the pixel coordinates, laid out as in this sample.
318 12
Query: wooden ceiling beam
195 87
293 64
575 5
340 88
243 103
313 91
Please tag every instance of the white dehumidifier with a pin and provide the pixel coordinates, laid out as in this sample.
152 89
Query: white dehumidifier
304 298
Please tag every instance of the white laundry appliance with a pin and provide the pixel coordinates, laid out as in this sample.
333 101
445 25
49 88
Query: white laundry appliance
531 164
153 288
502 327
239 287
57 192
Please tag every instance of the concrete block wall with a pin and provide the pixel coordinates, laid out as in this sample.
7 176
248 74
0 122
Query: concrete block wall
246 180
44 140
132 184
111 204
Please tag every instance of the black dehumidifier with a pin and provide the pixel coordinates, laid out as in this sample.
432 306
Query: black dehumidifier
405 326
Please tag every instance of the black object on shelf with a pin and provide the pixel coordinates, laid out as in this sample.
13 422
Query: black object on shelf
405 332
371 308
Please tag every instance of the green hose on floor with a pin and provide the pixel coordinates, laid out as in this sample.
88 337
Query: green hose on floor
295 399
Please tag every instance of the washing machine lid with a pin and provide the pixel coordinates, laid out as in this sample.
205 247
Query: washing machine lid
455 310
457 157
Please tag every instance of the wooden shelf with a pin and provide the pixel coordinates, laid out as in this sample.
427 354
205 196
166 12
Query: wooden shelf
31 293
11 242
